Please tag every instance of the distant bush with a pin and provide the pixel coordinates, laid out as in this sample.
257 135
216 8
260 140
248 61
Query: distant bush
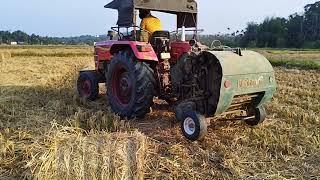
296 64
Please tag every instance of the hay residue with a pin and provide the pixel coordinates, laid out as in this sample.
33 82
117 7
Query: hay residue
5 56
69 153
46 132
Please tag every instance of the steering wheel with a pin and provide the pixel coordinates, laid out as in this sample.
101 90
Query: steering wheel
116 29
215 44
187 30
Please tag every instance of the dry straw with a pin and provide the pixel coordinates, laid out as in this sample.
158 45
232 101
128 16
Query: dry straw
72 154
91 143
5 56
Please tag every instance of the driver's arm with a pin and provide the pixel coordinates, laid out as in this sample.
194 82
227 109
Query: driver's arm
143 24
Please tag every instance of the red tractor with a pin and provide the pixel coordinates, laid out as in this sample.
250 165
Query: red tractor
200 82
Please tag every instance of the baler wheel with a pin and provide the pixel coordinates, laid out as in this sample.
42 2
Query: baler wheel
194 126
88 85
130 86
260 116
183 107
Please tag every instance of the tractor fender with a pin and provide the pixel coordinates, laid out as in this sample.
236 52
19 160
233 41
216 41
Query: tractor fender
149 55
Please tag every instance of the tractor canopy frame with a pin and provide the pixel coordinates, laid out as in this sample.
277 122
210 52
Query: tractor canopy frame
186 10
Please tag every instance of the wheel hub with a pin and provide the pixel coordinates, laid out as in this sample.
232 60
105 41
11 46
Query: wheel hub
122 86
189 126
125 85
85 88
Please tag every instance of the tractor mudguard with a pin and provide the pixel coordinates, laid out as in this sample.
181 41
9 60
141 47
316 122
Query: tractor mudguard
249 75
106 49
143 51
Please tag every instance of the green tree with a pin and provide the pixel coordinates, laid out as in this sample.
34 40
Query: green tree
20 36
249 39
295 36
271 32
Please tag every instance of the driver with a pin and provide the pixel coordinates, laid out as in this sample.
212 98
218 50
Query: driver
149 22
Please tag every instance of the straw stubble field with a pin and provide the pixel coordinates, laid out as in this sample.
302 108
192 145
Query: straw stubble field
47 132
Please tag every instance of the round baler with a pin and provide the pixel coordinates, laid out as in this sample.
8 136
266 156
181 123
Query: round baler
199 82
222 83
246 78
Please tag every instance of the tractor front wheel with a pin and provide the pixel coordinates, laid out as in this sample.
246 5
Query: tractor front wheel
88 85
130 86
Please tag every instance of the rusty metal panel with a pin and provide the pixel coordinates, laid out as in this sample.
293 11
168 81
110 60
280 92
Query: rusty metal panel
186 10
266 88
249 63
170 6
174 6
247 74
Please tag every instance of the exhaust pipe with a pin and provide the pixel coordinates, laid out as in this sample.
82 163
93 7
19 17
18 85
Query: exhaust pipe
183 34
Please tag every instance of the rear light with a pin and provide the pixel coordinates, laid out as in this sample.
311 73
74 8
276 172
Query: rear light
227 84
144 48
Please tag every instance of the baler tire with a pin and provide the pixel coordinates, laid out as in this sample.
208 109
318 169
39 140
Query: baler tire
260 116
183 107
198 121
135 98
88 85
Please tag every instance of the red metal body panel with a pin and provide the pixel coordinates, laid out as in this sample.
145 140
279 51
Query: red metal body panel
104 50
179 48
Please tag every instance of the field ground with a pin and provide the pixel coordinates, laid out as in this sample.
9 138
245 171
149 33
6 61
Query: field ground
47 132
305 58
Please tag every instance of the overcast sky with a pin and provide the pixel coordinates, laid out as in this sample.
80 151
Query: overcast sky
81 17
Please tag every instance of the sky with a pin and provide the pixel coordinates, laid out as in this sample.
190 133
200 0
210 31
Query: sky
62 18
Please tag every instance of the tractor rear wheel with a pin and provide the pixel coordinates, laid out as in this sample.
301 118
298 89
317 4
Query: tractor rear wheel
88 85
130 86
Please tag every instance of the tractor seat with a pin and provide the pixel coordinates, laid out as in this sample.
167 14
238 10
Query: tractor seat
163 35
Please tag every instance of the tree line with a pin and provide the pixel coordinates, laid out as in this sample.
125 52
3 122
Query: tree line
20 37
296 31
7 37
